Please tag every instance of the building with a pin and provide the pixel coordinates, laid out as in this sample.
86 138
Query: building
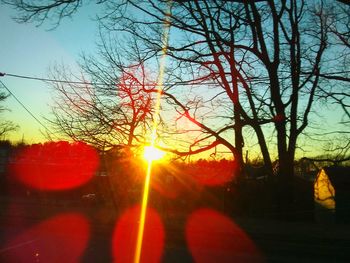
332 195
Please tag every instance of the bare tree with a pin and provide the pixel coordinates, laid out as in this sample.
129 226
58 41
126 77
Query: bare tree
267 61
113 110
337 77
265 57
6 127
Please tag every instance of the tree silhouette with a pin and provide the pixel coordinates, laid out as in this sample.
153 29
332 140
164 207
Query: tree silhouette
112 111
5 126
270 61
265 64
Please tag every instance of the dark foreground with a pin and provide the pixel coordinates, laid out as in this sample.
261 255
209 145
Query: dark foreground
38 233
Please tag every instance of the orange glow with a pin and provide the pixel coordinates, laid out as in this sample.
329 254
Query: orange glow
142 220
151 153
213 237
169 181
63 237
212 173
126 233
55 165
143 215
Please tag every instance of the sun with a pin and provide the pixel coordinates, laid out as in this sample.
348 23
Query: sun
150 153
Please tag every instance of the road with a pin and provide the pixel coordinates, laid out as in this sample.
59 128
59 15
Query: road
275 241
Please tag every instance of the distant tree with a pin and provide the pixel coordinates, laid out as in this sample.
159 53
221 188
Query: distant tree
6 127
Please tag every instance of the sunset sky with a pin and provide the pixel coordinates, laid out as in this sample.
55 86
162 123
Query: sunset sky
31 51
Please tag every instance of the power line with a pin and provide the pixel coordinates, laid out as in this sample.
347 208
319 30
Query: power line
250 79
96 83
24 107
2 74
185 83
49 80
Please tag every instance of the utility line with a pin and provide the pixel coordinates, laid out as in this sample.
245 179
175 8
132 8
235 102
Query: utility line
252 79
23 106
95 83
48 80
2 74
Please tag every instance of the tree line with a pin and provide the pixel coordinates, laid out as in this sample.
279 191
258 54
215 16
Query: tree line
238 73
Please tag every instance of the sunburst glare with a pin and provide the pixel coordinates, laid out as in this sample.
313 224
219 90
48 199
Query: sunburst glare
151 153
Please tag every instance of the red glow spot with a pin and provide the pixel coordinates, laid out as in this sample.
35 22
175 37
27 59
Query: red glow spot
125 236
213 237
279 118
55 165
171 192
212 173
59 239
165 182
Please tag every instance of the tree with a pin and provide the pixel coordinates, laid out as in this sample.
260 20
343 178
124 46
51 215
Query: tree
339 31
335 88
6 127
113 110
266 57
269 62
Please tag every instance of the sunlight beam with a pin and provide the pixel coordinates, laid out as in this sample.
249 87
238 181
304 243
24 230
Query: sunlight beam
140 233
151 153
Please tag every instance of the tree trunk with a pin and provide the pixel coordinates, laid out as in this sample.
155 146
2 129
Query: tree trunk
264 150
285 189
239 141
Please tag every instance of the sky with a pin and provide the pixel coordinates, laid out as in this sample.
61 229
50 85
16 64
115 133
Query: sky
31 51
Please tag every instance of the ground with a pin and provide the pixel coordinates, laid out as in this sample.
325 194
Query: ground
275 241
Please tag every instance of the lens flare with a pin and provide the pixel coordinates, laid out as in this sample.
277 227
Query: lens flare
153 136
150 153
213 237
63 237
125 236
55 166
212 173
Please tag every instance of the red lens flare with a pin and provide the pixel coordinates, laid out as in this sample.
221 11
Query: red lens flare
212 173
163 188
125 236
55 165
213 237
166 182
59 239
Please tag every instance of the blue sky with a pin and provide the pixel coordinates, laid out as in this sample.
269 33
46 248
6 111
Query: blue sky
30 50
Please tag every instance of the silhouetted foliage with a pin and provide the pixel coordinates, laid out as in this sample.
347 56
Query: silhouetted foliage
116 112
6 127
236 66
